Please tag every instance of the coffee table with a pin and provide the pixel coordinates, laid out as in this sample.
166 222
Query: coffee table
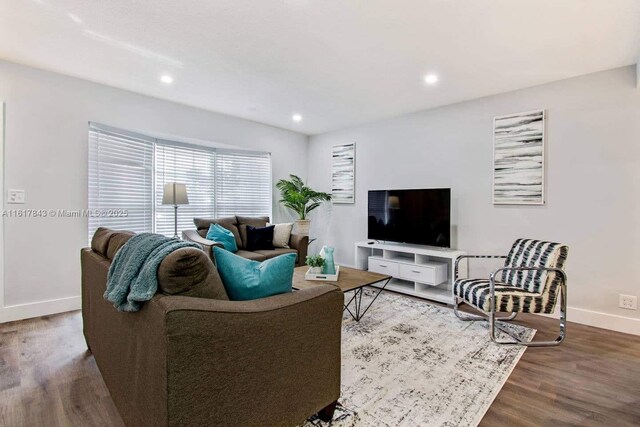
350 280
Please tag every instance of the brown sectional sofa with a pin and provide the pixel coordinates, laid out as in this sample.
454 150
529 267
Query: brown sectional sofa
238 226
191 357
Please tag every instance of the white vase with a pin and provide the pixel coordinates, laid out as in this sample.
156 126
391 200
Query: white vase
302 226
315 270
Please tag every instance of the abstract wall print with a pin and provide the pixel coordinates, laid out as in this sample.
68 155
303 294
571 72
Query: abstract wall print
343 173
518 158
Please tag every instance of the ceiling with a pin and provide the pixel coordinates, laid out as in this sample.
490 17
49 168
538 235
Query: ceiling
335 62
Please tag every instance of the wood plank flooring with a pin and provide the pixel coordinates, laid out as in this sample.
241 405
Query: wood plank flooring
47 378
592 379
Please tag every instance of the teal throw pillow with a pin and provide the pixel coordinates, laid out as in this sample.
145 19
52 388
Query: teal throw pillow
219 234
245 279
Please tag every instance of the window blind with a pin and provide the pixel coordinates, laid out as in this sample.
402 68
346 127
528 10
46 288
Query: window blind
193 167
128 171
120 181
243 183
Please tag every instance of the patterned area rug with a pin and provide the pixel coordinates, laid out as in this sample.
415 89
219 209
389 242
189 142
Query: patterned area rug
410 363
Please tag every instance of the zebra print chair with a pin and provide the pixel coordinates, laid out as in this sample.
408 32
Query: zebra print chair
531 281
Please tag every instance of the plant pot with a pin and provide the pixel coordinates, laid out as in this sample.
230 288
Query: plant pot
315 270
302 226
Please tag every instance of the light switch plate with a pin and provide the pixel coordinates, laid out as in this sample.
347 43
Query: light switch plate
16 197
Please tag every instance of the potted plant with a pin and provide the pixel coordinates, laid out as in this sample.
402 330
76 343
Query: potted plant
300 199
316 262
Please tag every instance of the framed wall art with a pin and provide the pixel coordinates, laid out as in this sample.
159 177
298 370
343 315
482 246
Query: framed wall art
518 158
343 173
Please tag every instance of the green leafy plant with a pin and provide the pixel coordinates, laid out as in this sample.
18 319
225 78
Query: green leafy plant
298 197
315 261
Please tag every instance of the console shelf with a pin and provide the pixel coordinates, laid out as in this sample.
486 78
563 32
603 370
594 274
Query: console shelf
420 271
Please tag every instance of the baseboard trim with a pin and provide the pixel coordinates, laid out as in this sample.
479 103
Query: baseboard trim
614 322
597 319
37 309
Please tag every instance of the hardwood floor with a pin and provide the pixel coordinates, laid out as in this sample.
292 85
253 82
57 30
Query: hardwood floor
47 378
592 379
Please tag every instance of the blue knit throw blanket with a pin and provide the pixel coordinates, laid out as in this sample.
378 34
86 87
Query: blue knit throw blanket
133 275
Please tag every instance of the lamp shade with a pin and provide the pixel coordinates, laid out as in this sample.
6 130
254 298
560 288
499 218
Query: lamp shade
394 202
175 193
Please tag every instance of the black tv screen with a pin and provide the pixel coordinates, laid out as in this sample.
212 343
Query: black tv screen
411 216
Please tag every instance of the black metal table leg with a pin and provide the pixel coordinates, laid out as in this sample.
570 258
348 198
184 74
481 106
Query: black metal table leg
357 299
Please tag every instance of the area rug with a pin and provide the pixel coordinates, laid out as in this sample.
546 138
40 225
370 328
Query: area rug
410 363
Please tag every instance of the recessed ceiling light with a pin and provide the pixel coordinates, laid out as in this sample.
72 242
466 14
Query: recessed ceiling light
166 79
431 78
75 18
296 118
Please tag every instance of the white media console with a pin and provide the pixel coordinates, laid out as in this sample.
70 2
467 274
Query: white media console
421 271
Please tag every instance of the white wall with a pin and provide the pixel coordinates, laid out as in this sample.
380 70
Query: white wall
593 181
46 126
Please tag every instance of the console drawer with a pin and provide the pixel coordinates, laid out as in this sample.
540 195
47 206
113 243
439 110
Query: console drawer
432 274
383 266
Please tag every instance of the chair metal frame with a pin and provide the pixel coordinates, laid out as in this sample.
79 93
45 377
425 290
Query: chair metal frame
491 315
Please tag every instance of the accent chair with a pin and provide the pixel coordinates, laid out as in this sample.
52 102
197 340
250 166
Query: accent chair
531 281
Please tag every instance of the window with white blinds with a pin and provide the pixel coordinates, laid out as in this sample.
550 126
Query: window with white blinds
128 171
243 184
193 167
120 180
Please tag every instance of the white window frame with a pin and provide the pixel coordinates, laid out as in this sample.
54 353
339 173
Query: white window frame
187 145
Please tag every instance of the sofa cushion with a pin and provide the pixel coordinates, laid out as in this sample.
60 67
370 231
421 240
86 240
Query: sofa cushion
259 238
190 272
282 234
118 239
243 221
100 240
249 280
251 255
106 242
272 253
230 223
218 233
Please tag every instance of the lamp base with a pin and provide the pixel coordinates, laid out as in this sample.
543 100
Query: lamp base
175 222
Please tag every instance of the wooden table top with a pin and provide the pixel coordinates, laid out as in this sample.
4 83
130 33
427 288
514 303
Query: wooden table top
349 279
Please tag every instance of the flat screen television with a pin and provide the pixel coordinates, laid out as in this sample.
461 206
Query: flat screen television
421 217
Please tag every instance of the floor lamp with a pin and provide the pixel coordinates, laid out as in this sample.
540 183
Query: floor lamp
175 193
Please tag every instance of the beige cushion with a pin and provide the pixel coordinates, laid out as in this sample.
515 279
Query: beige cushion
190 272
282 234
243 221
230 223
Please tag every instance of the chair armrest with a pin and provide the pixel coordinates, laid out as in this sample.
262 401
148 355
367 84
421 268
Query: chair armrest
563 275
300 243
461 257
278 356
207 245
